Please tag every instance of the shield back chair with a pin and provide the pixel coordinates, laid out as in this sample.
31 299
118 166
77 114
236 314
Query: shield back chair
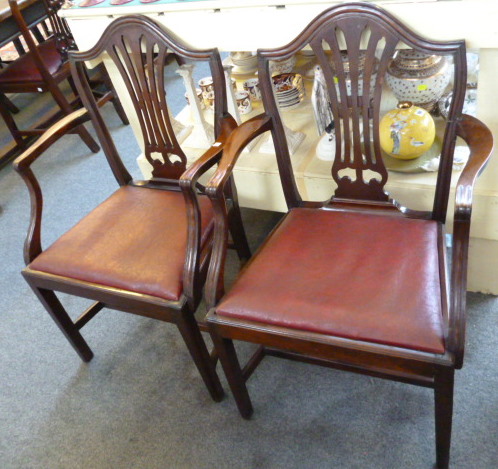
42 69
144 250
357 282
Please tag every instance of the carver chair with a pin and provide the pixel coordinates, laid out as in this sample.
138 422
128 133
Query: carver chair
43 68
144 250
357 282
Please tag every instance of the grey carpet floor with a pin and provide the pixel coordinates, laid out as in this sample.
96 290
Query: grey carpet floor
140 402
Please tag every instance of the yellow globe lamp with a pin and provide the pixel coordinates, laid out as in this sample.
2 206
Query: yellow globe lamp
407 132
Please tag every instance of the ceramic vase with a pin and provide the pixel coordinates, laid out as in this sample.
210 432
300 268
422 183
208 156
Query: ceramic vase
418 78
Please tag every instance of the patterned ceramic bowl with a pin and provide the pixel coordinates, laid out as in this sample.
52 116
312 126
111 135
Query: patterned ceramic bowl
278 67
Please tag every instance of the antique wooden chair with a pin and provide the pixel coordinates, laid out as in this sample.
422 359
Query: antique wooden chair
42 69
358 282
144 250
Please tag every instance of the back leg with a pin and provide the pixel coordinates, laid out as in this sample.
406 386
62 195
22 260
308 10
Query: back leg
235 224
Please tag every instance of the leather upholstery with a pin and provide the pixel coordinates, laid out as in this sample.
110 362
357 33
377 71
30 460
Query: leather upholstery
360 276
24 69
135 240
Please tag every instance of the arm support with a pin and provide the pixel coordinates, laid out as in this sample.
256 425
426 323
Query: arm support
188 184
480 141
22 164
215 189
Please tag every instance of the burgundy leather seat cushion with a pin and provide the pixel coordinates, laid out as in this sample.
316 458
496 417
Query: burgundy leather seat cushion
135 240
24 69
366 277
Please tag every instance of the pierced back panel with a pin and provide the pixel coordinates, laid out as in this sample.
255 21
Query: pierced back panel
63 38
354 45
139 48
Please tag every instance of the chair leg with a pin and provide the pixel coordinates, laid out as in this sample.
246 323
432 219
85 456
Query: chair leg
197 347
236 226
10 106
72 86
443 394
115 100
12 126
233 372
63 321
61 100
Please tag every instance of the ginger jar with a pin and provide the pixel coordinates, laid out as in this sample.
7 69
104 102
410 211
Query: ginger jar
407 132
419 78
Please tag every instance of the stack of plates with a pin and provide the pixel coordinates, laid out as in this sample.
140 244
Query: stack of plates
244 63
289 89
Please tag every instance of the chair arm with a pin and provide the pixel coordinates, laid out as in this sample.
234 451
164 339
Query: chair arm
32 244
215 190
480 141
50 136
188 182
212 155
235 144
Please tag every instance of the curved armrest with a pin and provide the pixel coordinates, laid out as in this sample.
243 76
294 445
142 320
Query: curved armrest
212 155
235 144
480 141
32 244
188 181
215 189
50 136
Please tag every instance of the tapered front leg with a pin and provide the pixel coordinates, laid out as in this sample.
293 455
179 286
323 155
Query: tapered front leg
197 347
64 322
231 367
443 394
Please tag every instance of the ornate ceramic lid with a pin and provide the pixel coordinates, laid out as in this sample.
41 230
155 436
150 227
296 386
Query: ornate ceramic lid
409 63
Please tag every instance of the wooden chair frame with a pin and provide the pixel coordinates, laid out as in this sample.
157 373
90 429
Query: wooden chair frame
395 363
50 82
168 176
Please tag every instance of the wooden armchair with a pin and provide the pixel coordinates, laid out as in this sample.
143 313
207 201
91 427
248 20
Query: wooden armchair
145 250
357 282
42 69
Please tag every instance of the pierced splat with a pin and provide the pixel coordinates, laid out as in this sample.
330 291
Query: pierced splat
63 38
141 61
354 77
354 45
139 48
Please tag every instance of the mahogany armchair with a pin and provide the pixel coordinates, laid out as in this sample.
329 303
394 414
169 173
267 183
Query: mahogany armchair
145 250
357 282
42 69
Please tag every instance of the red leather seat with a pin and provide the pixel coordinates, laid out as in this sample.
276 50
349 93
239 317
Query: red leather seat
319 272
25 70
135 240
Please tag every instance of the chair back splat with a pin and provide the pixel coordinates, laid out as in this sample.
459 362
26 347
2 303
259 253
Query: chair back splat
63 36
354 45
139 49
